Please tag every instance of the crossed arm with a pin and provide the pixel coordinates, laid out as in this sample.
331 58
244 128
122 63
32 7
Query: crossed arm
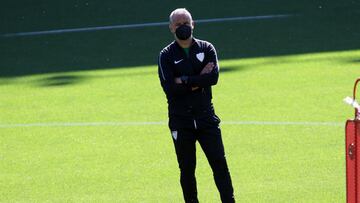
175 86
206 70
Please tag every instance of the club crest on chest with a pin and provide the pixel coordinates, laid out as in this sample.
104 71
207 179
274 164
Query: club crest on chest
200 56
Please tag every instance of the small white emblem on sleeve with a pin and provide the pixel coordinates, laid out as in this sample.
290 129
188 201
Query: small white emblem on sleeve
174 134
200 56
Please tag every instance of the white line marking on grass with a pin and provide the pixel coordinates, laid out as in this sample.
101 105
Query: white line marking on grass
140 25
80 124
90 124
305 123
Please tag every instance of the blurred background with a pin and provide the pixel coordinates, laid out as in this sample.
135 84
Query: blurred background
313 26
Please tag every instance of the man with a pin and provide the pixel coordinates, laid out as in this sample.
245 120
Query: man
188 67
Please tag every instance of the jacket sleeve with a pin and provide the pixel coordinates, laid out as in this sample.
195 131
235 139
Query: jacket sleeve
166 76
207 79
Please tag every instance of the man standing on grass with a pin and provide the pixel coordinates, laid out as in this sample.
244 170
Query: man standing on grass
188 67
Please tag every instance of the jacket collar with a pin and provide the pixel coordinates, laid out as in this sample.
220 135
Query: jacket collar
195 42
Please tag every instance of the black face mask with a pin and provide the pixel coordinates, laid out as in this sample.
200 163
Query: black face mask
183 32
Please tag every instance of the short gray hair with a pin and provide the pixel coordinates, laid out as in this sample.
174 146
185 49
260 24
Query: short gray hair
179 11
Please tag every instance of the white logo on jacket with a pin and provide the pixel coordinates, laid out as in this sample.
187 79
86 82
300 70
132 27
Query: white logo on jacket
176 62
200 56
174 134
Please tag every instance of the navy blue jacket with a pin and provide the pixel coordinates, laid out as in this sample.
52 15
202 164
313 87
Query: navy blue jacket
187 108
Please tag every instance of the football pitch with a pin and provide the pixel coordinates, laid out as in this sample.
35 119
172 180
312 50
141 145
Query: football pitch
83 117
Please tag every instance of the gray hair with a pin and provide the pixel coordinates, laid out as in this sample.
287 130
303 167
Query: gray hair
179 11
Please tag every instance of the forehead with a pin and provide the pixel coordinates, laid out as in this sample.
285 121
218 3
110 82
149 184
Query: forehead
181 18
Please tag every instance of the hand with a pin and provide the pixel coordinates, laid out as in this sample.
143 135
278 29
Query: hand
178 80
208 68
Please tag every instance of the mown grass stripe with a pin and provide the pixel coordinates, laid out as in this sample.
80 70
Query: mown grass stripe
146 123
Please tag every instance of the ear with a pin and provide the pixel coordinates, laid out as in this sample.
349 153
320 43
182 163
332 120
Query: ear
193 24
171 28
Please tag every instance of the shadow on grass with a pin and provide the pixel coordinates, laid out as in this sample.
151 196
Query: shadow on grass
60 80
63 79
322 31
232 68
357 60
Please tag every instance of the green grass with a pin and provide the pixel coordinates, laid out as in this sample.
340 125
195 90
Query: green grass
295 69
138 163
